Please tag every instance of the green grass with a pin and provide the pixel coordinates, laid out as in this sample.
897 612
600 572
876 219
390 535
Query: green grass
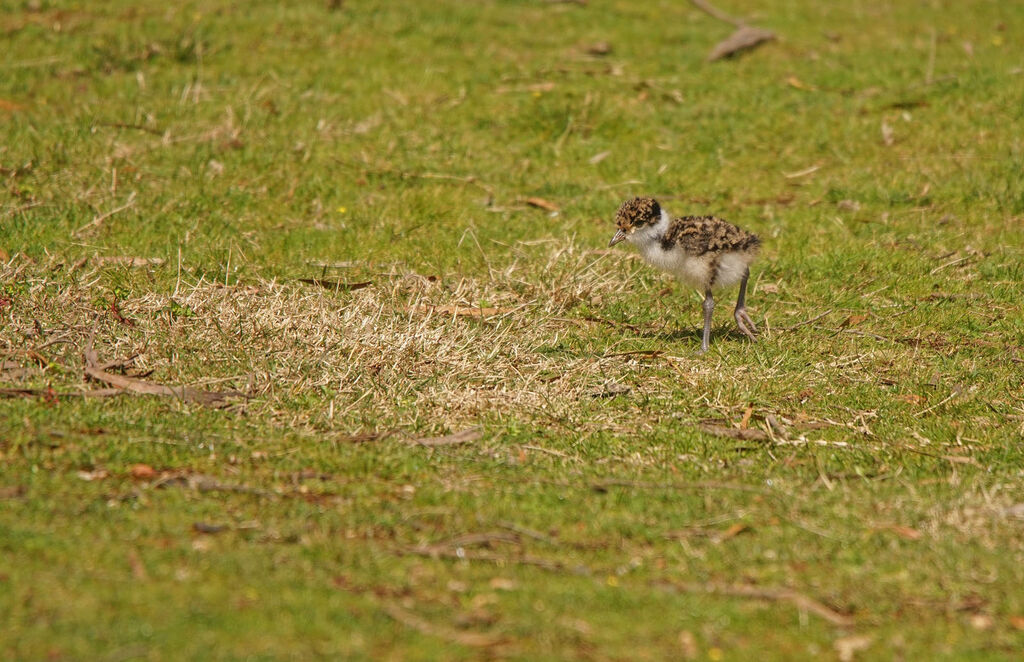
240 146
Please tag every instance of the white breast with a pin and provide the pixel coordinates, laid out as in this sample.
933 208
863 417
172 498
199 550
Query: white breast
695 271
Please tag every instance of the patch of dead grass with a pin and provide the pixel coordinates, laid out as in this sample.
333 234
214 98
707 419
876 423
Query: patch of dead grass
391 352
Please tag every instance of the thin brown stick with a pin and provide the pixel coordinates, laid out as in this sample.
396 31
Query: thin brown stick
95 222
770 593
423 626
454 439
186 393
402 174
473 540
867 334
488 557
603 486
651 353
805 322
600 320
336 285
42 392
745 434
541 449
937 404
137 127
715 12
204 483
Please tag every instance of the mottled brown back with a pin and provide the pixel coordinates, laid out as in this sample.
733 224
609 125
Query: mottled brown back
707 234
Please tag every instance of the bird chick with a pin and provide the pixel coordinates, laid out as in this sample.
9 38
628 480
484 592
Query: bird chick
704 252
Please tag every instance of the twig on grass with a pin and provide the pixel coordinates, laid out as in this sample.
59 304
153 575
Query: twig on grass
744 434
204 483
938 404
423 626
650 353
603 486
335 285
529 533
770 593
541 449
461 554
186 393
805 322
598 320
454 439
402 174
717 13
745 37
472 540
137 127
867 334
951 263
48 393
95 222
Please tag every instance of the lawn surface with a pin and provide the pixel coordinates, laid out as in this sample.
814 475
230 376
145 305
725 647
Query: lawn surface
429 415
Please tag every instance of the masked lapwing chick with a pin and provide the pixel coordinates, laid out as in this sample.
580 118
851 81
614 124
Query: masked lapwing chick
704 252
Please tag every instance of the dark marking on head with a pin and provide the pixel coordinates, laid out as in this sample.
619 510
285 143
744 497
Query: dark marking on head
636 213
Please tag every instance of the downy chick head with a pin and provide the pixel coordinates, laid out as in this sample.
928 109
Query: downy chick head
634 214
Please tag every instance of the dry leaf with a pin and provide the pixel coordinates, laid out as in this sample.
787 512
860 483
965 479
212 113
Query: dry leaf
1017 622
142 471
546 86
853 320
138 567
599 48
732 532
542 204
610 390
746 417
744 38
847 647
502 584
10 106
887 134
688 645
911 399
97 474
793 81
12 491
905 532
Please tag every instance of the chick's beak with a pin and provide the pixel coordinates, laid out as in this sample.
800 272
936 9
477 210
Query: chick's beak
619 236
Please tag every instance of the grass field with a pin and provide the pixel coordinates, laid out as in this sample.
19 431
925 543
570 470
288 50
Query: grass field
479 433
